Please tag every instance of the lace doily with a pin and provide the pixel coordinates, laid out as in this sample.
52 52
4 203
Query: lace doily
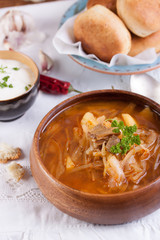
24 190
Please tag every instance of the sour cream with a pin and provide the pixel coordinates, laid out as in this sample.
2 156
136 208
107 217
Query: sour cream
16 78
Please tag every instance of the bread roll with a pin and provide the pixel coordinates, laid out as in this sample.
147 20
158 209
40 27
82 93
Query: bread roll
110 4
142 17
102 33
140 44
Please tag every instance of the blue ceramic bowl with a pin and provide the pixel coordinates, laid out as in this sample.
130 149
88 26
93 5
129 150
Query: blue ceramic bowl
13 108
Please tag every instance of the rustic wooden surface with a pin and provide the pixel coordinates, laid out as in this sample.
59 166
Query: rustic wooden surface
9 3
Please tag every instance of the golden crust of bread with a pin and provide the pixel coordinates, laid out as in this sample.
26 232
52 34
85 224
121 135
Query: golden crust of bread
102 33
110 4
140 44
8 153
142 17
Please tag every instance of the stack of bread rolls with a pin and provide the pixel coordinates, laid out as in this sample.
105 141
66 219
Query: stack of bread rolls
109 27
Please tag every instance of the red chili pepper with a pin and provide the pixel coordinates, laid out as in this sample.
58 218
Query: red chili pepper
55 86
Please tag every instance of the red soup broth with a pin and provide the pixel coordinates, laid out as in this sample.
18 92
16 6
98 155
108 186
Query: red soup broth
58 140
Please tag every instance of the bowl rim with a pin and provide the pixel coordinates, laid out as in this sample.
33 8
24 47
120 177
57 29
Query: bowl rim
36 77
48 118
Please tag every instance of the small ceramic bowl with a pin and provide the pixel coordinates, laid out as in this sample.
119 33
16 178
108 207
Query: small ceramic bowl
95 208
13 108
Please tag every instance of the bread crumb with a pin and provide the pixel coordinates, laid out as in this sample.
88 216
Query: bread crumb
8 153
15 170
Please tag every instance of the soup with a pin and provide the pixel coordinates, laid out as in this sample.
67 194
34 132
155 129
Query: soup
103 146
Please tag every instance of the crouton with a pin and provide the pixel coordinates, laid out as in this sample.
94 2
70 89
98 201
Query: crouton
16 171
8 153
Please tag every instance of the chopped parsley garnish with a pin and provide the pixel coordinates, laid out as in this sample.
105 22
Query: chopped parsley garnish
10 86
5 79
4 83
2 69
15 68
128 139
28 87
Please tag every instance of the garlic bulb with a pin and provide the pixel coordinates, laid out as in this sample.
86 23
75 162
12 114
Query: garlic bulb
18 28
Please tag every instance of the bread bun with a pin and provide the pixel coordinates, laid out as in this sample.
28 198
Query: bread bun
140 44
110 4
142 17
102 33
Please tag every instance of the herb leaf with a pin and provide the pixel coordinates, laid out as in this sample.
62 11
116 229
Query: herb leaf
116 149
2 69
28 87
128 139
4 83
114 123
5 79
116 130
15 68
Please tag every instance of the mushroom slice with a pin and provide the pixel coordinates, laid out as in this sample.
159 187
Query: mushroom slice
113 140
100 132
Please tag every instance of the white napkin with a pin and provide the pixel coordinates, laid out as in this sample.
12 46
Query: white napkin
147 85
64 43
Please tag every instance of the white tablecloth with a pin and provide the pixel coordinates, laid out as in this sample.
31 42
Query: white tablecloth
25 214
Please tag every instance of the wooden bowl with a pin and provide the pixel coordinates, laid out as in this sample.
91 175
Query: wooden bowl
95 208
13 108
